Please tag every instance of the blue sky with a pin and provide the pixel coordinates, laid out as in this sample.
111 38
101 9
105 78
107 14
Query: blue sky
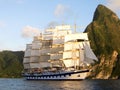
20 19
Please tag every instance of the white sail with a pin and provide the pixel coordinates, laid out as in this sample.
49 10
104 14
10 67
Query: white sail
34 59
56 49
81 54
70 54
45 51
58 41
71 45
35 52
68 63
36 45
75 36
44 58
89 55
45 64
34 65
26 66
56 56
47 37
26 60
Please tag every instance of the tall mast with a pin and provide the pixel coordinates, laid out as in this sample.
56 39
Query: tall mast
79 54
75 28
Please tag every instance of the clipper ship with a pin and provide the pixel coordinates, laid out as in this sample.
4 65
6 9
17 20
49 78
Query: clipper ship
58 54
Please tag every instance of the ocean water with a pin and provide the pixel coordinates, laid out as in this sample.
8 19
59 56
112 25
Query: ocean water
21 84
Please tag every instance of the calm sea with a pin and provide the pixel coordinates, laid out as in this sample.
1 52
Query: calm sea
21 84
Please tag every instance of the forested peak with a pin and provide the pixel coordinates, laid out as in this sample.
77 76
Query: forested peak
102 11
104 31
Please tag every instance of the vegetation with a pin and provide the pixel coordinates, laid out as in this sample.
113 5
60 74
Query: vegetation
104 31
104 34
11 63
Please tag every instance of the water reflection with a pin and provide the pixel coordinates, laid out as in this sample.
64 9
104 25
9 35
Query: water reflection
20 84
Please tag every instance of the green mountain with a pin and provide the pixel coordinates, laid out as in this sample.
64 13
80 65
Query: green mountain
11 63
104 35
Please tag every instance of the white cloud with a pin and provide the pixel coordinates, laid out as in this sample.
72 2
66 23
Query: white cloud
61 10
113 4
64 13
29 32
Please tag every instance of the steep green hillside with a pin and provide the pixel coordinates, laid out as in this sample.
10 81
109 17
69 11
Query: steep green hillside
104 34
104 31
11 63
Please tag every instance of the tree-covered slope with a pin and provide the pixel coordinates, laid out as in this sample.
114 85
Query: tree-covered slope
104 31
104 35
11 63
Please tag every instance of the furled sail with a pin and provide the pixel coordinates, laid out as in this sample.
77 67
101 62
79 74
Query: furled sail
71 62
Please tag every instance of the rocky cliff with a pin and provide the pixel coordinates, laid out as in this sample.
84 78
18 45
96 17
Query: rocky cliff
104 35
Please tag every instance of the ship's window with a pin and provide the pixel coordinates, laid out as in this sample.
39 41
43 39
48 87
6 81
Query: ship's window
78 75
